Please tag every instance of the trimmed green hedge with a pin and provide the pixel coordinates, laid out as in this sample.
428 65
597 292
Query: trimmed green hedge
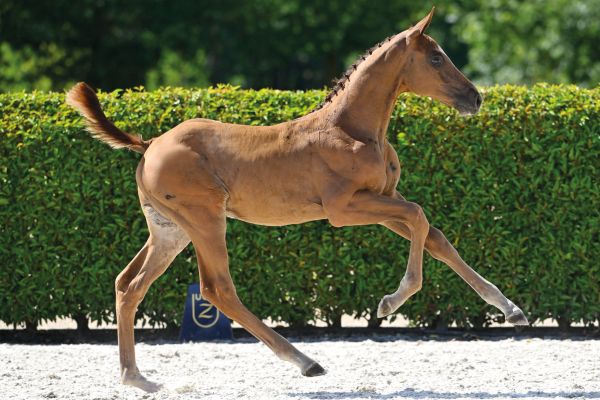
514 188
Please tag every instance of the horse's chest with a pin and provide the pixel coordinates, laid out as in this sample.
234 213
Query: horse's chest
370 172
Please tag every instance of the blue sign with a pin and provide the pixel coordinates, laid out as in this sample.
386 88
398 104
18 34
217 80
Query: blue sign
202 320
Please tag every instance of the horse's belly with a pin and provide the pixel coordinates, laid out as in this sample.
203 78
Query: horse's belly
275 213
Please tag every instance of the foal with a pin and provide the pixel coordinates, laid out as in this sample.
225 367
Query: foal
334 163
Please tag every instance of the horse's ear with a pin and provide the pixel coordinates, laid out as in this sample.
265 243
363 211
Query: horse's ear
420 27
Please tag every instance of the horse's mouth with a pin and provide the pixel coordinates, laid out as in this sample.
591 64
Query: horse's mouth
465 111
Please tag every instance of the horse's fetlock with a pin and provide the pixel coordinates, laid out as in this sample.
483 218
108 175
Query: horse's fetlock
413 282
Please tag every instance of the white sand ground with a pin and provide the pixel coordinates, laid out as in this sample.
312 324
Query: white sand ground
395 368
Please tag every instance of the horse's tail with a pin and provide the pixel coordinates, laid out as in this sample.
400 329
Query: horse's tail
83 98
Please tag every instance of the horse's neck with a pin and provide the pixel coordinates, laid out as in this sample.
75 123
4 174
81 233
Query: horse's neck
364 106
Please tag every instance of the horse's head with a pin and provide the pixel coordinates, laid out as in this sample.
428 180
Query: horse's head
429 72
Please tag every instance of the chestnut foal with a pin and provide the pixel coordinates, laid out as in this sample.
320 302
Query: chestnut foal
334 163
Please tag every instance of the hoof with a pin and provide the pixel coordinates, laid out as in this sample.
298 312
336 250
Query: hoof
385 308
517 318
314 370
139 381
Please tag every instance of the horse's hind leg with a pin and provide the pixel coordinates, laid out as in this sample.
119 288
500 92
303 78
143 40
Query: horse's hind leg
207 228
165 242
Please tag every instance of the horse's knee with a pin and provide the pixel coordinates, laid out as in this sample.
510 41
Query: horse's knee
417 218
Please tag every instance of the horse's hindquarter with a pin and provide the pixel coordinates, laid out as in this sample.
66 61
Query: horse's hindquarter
263 172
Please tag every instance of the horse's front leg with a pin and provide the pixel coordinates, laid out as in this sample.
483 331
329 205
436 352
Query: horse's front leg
366 208
440 248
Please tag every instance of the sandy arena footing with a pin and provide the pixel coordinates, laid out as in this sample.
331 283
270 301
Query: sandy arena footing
388 368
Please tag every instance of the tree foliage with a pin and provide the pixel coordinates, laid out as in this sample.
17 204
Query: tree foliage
537 40
287 44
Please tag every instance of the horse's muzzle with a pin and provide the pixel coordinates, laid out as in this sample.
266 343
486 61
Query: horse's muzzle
468 103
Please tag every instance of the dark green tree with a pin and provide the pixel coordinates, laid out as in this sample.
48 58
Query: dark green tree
288 44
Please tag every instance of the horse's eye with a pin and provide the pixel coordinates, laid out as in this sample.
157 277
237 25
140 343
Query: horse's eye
437 60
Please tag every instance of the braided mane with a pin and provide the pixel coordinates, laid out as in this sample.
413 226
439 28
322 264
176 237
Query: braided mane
339 84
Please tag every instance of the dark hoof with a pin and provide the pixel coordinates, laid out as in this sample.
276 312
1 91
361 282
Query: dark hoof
314 370
517 318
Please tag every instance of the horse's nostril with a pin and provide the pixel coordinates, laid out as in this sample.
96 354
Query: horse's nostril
478 101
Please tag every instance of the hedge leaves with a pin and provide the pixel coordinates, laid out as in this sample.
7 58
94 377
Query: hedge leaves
515 189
